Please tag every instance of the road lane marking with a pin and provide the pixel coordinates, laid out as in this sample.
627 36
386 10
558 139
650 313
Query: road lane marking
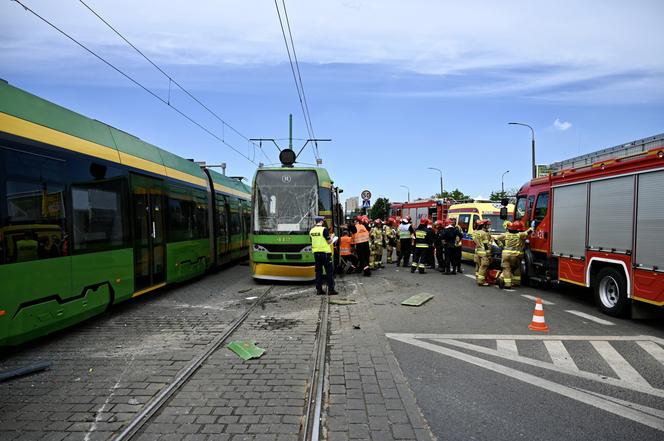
617 362
453 340
575 394
645 409
534 299
653 349
470 276
559 355
590 317
508 346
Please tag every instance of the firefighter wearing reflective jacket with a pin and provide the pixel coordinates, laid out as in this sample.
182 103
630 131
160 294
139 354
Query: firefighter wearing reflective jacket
390 238
483 241
377 238
423 243
406 235
513 243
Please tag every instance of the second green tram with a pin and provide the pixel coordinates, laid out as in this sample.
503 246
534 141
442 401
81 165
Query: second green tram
285 202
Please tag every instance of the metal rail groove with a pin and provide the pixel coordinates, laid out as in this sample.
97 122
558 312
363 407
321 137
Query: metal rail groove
165 394
311 428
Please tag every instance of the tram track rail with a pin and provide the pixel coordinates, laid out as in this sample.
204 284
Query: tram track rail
311 426
312 417
162 398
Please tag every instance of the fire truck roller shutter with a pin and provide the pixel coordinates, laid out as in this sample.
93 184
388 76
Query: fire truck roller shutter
568 236
649 251
612 214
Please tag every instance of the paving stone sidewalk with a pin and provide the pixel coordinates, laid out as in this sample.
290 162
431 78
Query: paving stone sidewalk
368 397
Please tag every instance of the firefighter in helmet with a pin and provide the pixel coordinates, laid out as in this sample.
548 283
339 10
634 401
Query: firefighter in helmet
390 238
483 242
423 243
377 238
513 243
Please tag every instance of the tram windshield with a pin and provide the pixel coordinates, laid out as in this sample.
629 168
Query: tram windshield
285 201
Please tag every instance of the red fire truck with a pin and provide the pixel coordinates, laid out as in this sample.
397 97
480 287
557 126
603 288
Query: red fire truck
599 222
434 209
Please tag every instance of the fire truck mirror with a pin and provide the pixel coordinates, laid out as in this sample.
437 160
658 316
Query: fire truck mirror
504 202
503 213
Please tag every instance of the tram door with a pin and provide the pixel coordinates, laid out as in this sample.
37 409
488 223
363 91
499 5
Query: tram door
149 248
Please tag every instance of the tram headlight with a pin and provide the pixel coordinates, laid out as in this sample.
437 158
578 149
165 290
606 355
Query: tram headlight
260 248
306 249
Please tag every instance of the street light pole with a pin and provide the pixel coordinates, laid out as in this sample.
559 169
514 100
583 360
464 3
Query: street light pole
441 178
532 131
502 182
404 186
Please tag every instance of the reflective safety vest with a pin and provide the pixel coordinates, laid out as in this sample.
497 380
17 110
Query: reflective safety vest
318 242
421 239
344 245
404 231
362 235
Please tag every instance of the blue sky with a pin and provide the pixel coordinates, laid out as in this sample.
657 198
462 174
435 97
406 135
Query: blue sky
398 86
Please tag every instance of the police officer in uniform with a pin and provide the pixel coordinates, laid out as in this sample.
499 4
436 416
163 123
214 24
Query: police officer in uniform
423 243
320 245
513 242
406 235
483 241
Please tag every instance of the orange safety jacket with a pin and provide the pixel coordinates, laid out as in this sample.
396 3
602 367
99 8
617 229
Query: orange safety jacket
344 245
362 235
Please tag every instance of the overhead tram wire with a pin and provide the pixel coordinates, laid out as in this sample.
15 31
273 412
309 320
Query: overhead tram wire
170 78
295 79
297 66
108 63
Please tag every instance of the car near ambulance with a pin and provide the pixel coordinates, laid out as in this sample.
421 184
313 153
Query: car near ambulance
467 215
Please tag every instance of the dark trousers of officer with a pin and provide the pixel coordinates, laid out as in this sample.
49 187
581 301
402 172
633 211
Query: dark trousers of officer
405 251
456 258
363 254
449 260
440 256
323 261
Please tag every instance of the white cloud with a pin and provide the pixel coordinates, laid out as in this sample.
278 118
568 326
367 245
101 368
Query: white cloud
537 45
561 125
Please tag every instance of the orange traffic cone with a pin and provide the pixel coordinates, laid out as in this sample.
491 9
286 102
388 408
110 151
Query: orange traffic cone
538 323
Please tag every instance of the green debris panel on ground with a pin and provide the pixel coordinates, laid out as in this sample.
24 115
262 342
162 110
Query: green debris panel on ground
417 299
246 349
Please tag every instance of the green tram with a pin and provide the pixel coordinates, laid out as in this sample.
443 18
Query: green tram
285 202
91 216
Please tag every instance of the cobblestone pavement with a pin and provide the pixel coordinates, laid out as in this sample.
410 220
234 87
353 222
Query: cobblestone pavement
367 395
105 370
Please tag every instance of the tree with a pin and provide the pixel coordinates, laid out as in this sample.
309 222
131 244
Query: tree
456 194
497 195
380 209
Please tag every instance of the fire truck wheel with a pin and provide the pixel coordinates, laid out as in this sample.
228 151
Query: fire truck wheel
611 292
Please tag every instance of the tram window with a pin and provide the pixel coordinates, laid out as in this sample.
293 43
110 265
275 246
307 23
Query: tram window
235 216
32 207
222 216
324 199
201 216
98 216
181 214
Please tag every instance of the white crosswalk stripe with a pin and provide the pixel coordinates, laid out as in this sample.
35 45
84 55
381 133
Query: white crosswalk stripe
592 318
508 346
617 362
653 349
559 355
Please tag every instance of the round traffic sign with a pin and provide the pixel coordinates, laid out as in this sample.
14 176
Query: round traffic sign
366 194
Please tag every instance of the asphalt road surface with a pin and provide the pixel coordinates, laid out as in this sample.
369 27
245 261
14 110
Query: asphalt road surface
479 373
